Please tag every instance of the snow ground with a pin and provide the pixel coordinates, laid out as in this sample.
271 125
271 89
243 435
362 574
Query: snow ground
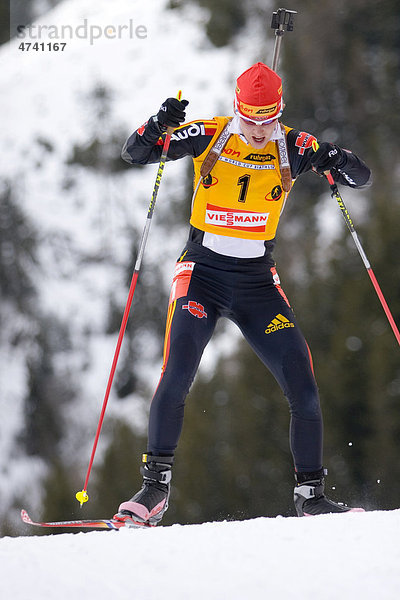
331 556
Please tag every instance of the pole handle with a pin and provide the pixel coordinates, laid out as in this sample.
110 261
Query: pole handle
170 130
328 175
282 19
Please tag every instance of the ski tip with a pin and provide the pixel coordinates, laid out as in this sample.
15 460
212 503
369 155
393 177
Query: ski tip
25 517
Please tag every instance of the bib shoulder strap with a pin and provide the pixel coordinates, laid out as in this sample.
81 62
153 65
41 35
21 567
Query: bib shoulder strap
284 165
215 151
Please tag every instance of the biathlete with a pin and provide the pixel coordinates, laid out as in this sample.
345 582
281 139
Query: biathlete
244 169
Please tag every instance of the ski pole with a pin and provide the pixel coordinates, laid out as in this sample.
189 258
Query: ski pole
82 496
349 222
281 19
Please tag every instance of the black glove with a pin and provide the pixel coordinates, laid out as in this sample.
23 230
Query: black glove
327 157
171 113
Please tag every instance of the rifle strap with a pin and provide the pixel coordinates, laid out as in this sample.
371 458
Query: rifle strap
284 165
215 151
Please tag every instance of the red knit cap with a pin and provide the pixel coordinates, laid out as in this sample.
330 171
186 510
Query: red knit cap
259 93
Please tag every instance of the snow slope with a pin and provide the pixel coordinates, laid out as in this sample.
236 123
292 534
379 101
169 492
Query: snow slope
333 557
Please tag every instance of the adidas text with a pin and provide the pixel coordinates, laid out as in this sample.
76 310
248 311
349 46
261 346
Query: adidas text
280 322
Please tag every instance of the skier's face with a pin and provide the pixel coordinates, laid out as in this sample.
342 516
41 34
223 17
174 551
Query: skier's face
258 136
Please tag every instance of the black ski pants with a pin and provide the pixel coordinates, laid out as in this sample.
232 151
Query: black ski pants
207 286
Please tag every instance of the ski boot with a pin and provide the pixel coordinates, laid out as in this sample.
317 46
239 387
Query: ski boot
309 497
150 503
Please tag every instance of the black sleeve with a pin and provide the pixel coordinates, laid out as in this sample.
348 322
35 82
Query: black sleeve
145 144
350 171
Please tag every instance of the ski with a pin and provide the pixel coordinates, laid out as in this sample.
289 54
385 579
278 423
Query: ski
114 524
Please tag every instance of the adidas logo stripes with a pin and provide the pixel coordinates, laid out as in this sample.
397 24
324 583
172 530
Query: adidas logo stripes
279 322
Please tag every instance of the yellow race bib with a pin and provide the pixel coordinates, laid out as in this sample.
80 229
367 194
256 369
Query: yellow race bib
242 196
